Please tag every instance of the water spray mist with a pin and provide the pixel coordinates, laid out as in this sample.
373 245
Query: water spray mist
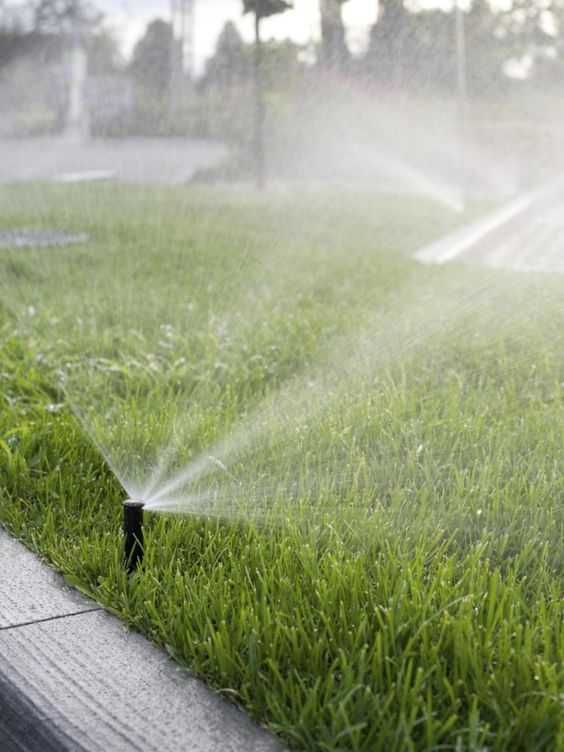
133 534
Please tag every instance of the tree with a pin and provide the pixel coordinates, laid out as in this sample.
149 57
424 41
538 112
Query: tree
44 27
151 63
486 51
151 69
104 55
528 22
63 16
230 64
261 9
14 40
334 51
391 38
419 48
265 8
534 29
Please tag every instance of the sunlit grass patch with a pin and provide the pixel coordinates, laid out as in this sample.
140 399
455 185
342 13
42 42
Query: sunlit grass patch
419 606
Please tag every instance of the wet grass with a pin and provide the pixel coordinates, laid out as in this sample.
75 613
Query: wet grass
428 613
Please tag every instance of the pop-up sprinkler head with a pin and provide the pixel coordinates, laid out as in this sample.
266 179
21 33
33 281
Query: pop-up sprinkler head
132 534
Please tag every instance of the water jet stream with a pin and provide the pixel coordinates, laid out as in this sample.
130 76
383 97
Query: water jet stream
500 235
295 401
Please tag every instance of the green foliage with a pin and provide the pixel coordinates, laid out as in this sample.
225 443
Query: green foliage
334 53
151 62
104 55
231 64
58 16
265 8
410 49
415 48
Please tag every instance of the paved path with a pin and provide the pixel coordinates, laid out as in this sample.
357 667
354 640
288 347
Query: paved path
129 160
73 678
527 234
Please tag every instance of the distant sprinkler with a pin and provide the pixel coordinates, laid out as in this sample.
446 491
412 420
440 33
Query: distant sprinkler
133 534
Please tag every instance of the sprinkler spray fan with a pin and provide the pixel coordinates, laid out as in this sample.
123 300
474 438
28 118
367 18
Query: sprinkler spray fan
132 534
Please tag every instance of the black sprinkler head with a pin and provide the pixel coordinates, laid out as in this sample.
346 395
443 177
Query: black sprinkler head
132 534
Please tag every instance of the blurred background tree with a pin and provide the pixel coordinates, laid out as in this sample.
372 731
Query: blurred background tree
60 16
37 40
334 53
245 88
418 49
532 33
260 9
151 71
230 66
105 57
151 62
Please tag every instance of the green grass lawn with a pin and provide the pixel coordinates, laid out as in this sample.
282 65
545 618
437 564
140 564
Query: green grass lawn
389 572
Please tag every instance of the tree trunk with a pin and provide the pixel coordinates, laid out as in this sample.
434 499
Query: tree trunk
77 125
258 137
334 51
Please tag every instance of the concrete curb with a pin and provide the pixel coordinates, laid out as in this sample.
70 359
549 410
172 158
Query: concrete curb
72 677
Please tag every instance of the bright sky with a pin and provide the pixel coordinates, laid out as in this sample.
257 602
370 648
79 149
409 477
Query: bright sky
129 17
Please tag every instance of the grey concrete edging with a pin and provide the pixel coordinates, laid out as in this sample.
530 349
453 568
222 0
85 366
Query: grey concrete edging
72 677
